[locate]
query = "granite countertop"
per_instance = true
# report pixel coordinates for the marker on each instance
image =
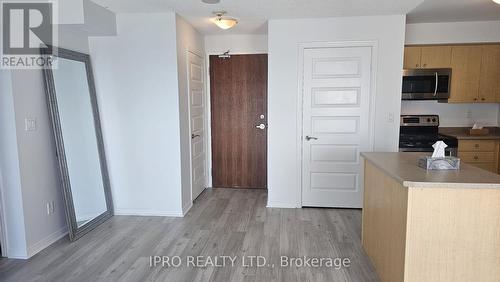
(463, 133)
(403, 167)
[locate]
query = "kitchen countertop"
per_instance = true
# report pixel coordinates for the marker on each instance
(462, 133)
(403, 167)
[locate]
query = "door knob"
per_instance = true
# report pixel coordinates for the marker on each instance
(308, 138)
(261, 126)
(194, 136)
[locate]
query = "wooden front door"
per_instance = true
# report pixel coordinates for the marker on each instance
(238, 104)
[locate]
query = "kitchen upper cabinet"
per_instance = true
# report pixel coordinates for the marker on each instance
(427, 57)
(489, 84)
(412, 57)
(466, 73)
(475, 68)
(436, 57)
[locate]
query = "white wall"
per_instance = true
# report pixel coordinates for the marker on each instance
(10, 186)
(137, 88)
(453, 115)
(284, 37)
(454, 32)
(188, 39)
(236, 43)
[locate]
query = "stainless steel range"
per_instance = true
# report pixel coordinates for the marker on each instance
(419, 132)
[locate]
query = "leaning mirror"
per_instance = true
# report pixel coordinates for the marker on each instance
(72, 103)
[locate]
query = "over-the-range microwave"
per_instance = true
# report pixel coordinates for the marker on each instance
(426, 84)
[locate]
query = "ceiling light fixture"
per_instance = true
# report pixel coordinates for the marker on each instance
(224, 22)
(496, 1)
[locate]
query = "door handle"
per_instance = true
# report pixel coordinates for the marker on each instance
(436, 87)
(261, 126)
(308, 138)
(194, 136)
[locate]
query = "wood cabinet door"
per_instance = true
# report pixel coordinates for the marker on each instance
(434, 57)
(412, 57)
(466, 65)
(489, 84)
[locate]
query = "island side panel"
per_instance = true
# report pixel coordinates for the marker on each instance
(384, 223)
(453, 235)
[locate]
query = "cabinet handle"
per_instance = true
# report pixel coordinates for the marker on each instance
(425, 65)
(475, 99)
(476, 157)
(482, 99)
(476, 145)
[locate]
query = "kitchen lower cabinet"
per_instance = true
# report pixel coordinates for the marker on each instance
(480, 153)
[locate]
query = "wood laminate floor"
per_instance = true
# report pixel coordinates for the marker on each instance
(222, 222)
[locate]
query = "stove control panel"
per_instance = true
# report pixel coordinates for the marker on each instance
(420, 120)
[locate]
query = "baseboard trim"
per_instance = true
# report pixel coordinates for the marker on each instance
(186, 210)
(148, 213)
(283, 205)
(47, 241)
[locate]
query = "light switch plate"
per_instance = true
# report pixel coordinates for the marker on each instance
(30, 124)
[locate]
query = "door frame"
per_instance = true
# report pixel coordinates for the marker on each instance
(208, 110)
(300, 94)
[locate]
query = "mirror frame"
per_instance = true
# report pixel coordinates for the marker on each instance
(74, 231)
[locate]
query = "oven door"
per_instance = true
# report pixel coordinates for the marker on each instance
(426, 84)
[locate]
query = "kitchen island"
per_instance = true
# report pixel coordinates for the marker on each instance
(421, 225)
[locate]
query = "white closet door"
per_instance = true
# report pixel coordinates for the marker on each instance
(197, 111)
(336, 125)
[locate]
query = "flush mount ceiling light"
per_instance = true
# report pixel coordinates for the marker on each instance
(224, 22)
(496, 1)
(210, 1)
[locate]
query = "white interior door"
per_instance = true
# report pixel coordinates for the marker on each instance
(336, 125)
(197, 123)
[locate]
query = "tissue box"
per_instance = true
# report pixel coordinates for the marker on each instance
(445, 163)
(481, 131)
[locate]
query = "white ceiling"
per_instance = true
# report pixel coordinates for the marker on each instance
(253, 14)
(454, 11)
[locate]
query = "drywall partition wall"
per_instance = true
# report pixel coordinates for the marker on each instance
(137, 89)
(283, 108)
(37, 161)
(452, 33)
(236, 43)
(99, 21)
(188, 39)
(10, 185)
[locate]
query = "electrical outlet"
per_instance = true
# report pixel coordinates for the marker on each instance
(30, 124)
(468, 114)
(50, 207)
(390, 118)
